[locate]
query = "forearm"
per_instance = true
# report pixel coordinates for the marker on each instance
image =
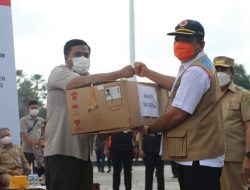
(172, 118)
(163, 80)
(81, 80)
(247, 143)
(4, 170)
(26, 138)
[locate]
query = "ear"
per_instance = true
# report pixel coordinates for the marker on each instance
(66, 58)
(202, 45)
(68, 61)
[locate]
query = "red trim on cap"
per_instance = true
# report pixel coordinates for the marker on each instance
(5, 2)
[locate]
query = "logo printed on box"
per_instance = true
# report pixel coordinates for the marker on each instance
(74, 95)
(113, 98)
(75, 109)
(77, 122)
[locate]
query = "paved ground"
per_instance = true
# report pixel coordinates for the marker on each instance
(105, 179)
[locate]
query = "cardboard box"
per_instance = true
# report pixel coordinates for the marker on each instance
(119, 105)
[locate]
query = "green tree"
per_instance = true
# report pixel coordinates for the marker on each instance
(40, 87)
(241, 78)
(33, 88)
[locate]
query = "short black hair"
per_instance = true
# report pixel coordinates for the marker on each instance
(74, 42)
(32, 102)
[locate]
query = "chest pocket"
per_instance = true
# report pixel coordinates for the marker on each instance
(234, 109)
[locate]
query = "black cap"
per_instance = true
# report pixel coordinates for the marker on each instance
(188, 27)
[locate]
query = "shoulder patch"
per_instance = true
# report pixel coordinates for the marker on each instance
(248, 99)
(246, 94)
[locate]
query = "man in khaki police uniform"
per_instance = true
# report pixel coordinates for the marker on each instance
(12, 159)
(192, 124)
(236, 111)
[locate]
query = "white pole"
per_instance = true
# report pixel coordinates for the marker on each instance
(132, 34)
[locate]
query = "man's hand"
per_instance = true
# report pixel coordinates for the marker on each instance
(141, 69)
(143, 130)
(246, 168)
(127, 71)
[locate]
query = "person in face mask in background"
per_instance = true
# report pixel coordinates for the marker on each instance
(12, 159)
(192, 124)
(31, 137)
(236, 122)
(68, 157)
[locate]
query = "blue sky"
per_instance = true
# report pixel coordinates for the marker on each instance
(41, 27)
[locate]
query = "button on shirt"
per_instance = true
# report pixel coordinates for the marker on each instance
(194, 84)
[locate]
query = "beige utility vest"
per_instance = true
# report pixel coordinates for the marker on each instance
(200, 136)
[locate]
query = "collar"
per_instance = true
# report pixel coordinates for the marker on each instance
(30, 117)
(232, 87)
(185, 65)
(188, 63)
(4, 146)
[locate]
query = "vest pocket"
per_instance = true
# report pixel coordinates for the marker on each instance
(176, 145)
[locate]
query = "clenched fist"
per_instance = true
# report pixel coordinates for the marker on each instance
(141, 69)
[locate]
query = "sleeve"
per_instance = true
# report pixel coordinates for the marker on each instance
(194, 84)
(245, 107)
(3, 170)
(60, 77)
(26, 166)
(23, 128)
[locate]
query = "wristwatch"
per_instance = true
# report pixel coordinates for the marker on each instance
(247, 154)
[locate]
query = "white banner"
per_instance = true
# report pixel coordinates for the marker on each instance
(9, 116)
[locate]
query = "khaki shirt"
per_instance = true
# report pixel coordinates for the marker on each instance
(26, 123)
(12, 158)
(58, 137)
(236, 111)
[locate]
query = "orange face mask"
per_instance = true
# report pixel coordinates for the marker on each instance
(183, 51)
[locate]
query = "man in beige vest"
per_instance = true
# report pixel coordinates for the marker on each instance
(192, 124)
(236, 117)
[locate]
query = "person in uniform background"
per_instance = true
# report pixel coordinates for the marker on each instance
(12, 160)
(192, 124)
(31, 127)
(122, 152)
(149, 150)
(236, 122)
